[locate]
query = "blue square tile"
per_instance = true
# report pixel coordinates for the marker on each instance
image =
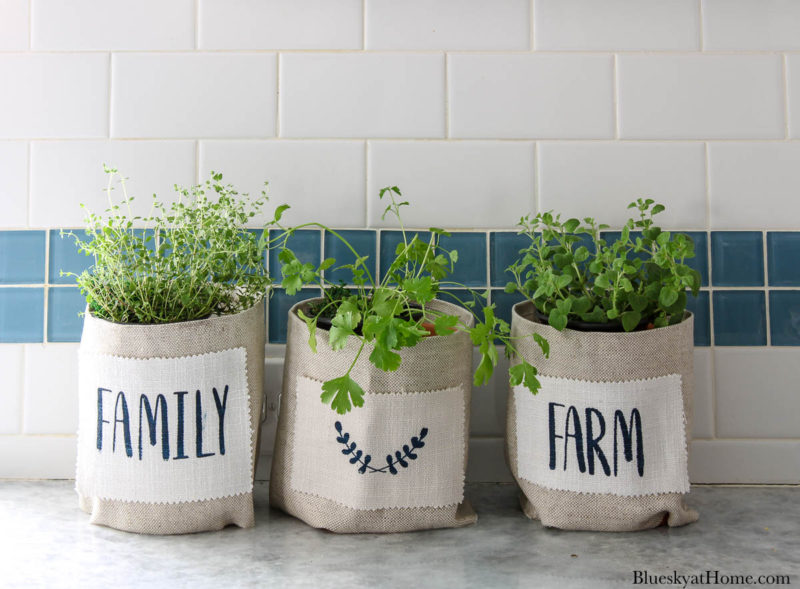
(279, 305)
(64, 324)
(783, 258)
(22, 256)
(21, 315)
(504, 302)
(389, 241)
(306, 245)
(470, 270)
(740, 318)
(737, 258)
(700, 260)
(699, 306)
(504, 248)
(462, 296)
(363, 241)
(64, 256)
(784, 317)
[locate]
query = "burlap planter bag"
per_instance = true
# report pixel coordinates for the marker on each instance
(604, 444)
(416, 417)
(168, 422)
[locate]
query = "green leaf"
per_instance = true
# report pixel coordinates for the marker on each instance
(571, 225)
(544, 345)
(667, 296)
(342, 393)
(420, 289)
(630, 319)
(311, 323)
(581, 254)
(445, 324)
(557, 319)
(385, 359)
(327, 263)
(524, 374)
(564, 280)
(342, 326)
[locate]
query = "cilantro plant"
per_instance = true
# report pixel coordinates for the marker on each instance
(186, 260)
(390, 313)
(638, 280)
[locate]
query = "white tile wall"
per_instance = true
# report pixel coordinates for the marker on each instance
(758, 25)
(279, 24)
(102, 25)
(531, 96)
(469, 183)
(750, 181)
(479, 111)
(13, 183)
(700, 96)
(54, 95)
(448, 24)
(51, 394)
(617, 25)
(600, 178)
(65, 174)
(190, 94)
(320, 180)
(11, 390)
(362, 95)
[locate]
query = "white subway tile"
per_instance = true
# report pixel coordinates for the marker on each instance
(744, 461)
(616, 25)
(452, 184)
(793, 83)
(103, 25)
(448, 24)
(599, 179)
(531, 96)
(703, 401)
(731, 25)
(193, 95)
(700, 96)
(754, 185)
(279, 24)
(38, 457)
(51, 389)
(14, 25)
(362, 95)
(321, 180)
(54, 95)
(65, 174)
(757, 393)
(11, 378)
(13, 184)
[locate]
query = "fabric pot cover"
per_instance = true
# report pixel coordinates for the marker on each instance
(604, 443)
(169, 421)
(397, 463)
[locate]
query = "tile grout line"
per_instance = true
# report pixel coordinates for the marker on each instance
(711, 337)
(23, 370)
(28, 199)
(46, 284)
(446, 95)
(615, 96)
(785, 80)
(536, 179)
(278, 60)
(532, 25)
(196, 6)
(110, 92)
(700, 21)
(363, 25)
(767, 320)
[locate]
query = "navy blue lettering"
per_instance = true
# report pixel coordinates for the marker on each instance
(199, 428)
(152, 417)
(221, 407)
(126, 425)
(180, 453)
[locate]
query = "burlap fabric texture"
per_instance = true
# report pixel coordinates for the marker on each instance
(434, 374)
(602, 357)
(244, 333)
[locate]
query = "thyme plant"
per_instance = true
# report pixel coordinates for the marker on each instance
(388, 313)
(186, 260)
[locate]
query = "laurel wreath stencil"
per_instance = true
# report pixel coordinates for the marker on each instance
(358, 456)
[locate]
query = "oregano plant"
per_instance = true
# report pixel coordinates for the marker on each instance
(189, 259)
(389, 313)
(572, 273)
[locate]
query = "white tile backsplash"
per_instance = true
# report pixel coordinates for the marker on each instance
(448, 24)
(11, 388)
(320, 180)
(53, 95)
(51, 395)
(531, 96)
(362, 95)
(103, 25)
(744, 461)
(38, 457)
(703, 400)
(750, 181)
(279, 24)
(13, 183)
(14, 25)
(617, 25)
(469, 183)
(793, 90)
(599, 179)
(756, 25)
(189, 95)
(66, 174)
(700, 96)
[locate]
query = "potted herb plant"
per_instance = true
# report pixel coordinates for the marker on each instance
(603, 445)
(391, 361)
(171, 361)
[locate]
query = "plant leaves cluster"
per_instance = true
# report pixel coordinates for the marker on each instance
(386, 314)
(570, 272)
(189, 259)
